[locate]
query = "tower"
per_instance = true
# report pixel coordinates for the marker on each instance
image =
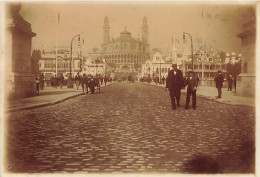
(106, 29)
(145, 30)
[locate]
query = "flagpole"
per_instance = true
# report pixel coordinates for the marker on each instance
(57, 32)
(203, 49)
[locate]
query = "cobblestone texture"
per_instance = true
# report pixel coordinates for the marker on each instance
(130, 128)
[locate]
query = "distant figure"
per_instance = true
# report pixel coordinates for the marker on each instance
(219, 83)
(230, 83)
(92, 84)
(84, 84)
(77, 80)
(52, 81)
(61, 80)
(37, 85)
(163, 80)
(105, 80)
(55, 79)
(192, 84)
(101, 80)
(42, 81)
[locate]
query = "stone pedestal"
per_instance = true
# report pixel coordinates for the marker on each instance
(20, 82)
(246, 80)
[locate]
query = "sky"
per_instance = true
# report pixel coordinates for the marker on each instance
(222, 22)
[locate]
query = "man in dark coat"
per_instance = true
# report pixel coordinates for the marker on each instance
(192, 84)
(230, 82)
(219, 83)
(175, 83)
(41, 81)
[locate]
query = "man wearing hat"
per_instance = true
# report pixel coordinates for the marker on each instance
(175, 82)
(219, 83)
(192, 84)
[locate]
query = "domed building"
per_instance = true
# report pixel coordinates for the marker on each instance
(125, 53)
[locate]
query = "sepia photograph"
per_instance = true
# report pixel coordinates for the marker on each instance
(128, 87)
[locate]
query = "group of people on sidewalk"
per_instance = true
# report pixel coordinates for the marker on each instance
(175, 82)
(89, 82)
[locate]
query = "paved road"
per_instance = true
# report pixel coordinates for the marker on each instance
(130, 127)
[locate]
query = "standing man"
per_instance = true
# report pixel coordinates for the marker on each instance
(230, 82)
(42, 81)
(77, 80)
(192, 83)
(175, 83)
(163, 80)
(61, 80)
(84, 84)
(219, 83)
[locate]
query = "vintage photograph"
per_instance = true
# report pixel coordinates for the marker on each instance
(129, 88)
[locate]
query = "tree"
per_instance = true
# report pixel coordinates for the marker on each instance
(35, 58)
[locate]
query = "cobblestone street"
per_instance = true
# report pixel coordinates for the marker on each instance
(130, 128)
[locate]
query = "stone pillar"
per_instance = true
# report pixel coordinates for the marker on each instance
(246, 80)
(20, 82)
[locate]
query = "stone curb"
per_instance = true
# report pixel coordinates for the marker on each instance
(209, 98)
(46, 103)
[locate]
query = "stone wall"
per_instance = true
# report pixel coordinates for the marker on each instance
(246, 80)
(20, 82)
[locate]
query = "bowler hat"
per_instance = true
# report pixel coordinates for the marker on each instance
(190, 71)
(174, 65)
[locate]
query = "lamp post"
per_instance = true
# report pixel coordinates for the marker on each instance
(191, 47)
(160, 72)
(70, 84)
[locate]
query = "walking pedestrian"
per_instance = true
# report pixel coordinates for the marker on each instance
(37, 85)
(105, 80)
(163, 80)
(219, 83)
(92, 83)
(175, 83)
(192, 84)
(230, 82)
(52, 81)
(61, 80)
(84, 84)
(55, 79)
(77, 80)
(41, 81)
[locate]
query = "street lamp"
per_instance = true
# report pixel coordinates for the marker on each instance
(160, 72)
(70, 84)
(191, 47)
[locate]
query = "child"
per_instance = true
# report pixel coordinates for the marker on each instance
(192, 83)
(37, 86)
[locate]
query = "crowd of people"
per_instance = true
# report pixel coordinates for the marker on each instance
(87, 82)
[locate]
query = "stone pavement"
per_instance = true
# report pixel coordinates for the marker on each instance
(228, 97)
(130, 128)
(48, 96)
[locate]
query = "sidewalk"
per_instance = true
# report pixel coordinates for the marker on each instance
(48, 96)
(228, 97)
